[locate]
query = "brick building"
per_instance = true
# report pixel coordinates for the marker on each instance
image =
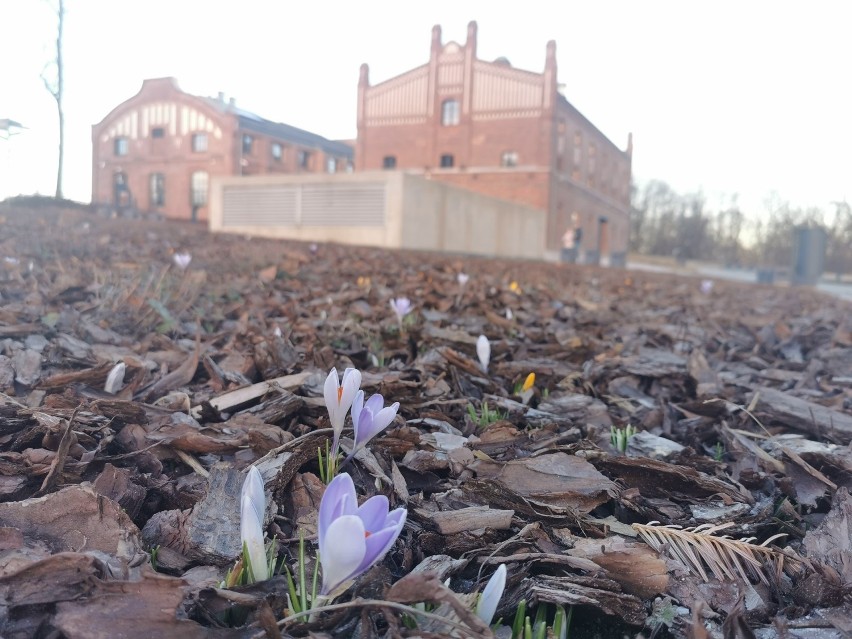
(157, 151)
(504, 132)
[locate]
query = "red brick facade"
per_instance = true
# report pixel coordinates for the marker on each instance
(503, 132)
(157, 151)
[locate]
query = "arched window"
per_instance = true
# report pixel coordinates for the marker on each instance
(198, 188)
(450, 112)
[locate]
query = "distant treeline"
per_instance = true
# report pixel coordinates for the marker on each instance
(664, 222)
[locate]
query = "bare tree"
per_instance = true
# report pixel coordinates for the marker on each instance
(53, 82)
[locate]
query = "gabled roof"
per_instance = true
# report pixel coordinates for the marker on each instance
(251, 122)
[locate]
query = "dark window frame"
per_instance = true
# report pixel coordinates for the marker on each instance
(447, 161)
(389, 162)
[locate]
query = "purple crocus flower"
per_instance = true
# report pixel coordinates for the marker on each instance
(401, 306)
(370, 418)
(353, 538)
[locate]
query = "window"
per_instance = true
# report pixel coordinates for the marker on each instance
(248, 143)
(198, 188)
(277, 151)
(304, 159)
(330, 165)
(447, 161)
(158, 132)
(389, 162)
(578, 150)
(592, 159)
(199, 142)
(158, 189)
(120, 146)
(509, 158)
(450, 112)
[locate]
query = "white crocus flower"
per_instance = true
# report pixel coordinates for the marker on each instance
(115, 379)
(338, 398)
(483, 351)
(252, 512)
(462, 279)
(182, 260)
(490, 598)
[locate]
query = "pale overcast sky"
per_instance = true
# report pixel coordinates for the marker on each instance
(729, 97)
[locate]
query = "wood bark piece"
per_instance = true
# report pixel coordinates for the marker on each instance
(601, 594)
(134, 610)
(638, 568)
(450, 522)
(240, 396)
(803, 415)
(74, 519)
(210, 533)
(661, 479)
(556, 481)
(60, 577)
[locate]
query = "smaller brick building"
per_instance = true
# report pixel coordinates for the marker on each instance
(506, 133)
(157, 151)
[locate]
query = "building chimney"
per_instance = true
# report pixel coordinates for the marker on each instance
(630, 144)
(221, 97)
(471, 37)
(551, 83)
(436, 40)
(232, 104)
(364, 79)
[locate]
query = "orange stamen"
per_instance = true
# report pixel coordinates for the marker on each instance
(339, 393)
(367, 533)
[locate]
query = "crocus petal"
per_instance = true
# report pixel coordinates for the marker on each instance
(351, 383)
(329, 392)
(379, 542)
(339, 499)
(374, 513)
(253, 489)
(490, 599)
(483, 351)
(363, 427)
(342, 557)
(375, 403)
(251, 534)
(371, 424)
(357, 407)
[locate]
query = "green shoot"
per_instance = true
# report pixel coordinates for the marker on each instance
(328, 464)
(300, 599)
(619, 437)
(525, 627)
(154, 551)
(718, 452)
(487, 416)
